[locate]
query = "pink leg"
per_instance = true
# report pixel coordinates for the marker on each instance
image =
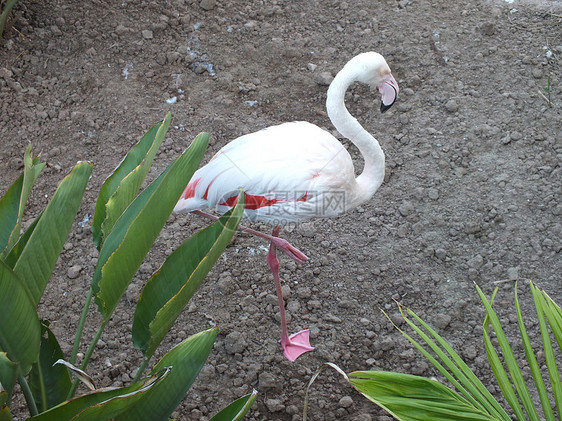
(298, 343)
(282, 244)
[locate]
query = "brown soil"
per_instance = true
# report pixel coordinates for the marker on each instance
(472, 192)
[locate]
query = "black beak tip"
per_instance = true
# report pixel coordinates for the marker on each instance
(384, 107)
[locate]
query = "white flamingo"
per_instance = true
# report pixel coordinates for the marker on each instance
(297, 171)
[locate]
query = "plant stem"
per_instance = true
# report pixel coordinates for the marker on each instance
(28, 396)
(81, 326)
(4, 16)
(141, 369)
(88, 355)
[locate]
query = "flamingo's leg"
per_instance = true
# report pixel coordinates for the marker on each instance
(298, 343)
(283, 245)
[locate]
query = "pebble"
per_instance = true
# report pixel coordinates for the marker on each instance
(476, 262)
(345, 402)
(537, 73)
(268, 383)
(406, 208)
(433, 193)
(74, 271)
(512, 273)
(451, 106)
(442, 320)
(234, 343)
(323, 78)
(147, 34)
(208, 4)
(274, 405)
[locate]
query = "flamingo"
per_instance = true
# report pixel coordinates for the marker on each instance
(296, 171)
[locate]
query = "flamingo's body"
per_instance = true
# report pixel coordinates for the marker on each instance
(297, 171)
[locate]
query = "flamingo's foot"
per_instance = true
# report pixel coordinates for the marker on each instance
(296, 345)
(291, 251)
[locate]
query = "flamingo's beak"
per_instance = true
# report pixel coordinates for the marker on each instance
(389, 91)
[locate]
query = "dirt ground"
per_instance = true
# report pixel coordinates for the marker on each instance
(472, 192)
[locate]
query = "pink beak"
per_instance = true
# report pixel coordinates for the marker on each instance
(389, 91)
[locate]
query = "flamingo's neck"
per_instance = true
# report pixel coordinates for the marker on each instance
(373, 172)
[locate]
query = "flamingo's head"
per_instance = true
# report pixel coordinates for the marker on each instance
(371, 68)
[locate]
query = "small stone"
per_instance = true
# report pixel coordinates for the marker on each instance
(512, 273)
(208, 4)
(268, 383)
(440, 253)
(345, 402)
(488, 29)
(442, 320)
(537, 73)
(476, 262)
(451, 106)
(147, 34)
(323, 78)
(121, 30)
(74, 271)
(470, 352)
(433, 193)
(406, 208)
(234, 343)
(274, 405)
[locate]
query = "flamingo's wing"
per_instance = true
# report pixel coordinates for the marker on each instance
(280, 165)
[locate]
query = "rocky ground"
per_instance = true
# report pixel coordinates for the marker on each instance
(472, 192)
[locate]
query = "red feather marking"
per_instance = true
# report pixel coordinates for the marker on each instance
(190, 189)
(252, 202)
(256, 202)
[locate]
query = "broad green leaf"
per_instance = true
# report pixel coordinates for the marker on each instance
(186, 360)
(134, 232)
(49, 383)
(20, 331)
(8, 374)
(13, 202)
(237, 409)
(14, 254)
(167, 293)
(5, 414)
(122, 186)
(9, 206)
(103, 404)
(38, 258)
(533, 365)
(409, 397)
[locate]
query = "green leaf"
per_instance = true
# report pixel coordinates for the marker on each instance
(237, 409)
(122, 186)
(5, 414)
(186, 360)
(103, 404)
(14, 254)
(20, 331)
(135, 231)
(42, 250)
(49, 383)
(13, 202)
(167, 293)
(9, 205)
(409, 397)
(510, 361)
(544, 305)
(533, 365)
(8, 374)
(456, 371)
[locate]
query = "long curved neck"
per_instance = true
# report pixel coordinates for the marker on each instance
(373, 172)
